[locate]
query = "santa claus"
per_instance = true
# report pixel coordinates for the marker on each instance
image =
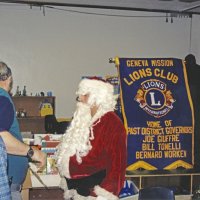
(92, 154)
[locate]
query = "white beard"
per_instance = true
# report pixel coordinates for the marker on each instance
(76, 140)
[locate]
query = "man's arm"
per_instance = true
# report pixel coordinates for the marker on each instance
(16, 147)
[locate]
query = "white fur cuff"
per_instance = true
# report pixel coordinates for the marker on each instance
(101, 192)
(75, 196)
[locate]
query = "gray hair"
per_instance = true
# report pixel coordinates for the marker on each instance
(5, 71)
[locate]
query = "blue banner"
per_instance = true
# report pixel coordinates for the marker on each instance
(158, 113)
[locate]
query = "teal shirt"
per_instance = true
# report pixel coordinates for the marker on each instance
(17, 165)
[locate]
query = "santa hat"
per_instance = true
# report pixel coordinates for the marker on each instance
(100, 92)
(94, 85)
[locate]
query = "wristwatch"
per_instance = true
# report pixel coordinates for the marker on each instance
(30, 153)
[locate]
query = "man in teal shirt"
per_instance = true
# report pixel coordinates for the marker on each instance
(10, 133)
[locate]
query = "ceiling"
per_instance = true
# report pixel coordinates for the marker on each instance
(166, 6)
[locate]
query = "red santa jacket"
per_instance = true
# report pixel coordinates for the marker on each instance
(108, 152)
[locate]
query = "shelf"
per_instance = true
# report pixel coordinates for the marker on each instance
(31, 118)
(175, 172)
(32, 124)
(180, 178)
(31, 105)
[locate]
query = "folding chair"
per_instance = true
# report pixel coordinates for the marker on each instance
(156, 193)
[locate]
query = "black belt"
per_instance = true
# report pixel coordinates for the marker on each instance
(83, 186)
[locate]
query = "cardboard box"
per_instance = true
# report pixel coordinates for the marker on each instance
(26, 186)
(48, 179)
(25, 194)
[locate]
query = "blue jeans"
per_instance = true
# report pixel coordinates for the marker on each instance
(16, 191)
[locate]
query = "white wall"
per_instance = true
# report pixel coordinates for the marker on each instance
(52, 52)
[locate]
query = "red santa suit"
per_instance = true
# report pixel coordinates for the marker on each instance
(108, 152)
(94, 143)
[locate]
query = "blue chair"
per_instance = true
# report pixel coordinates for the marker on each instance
(128, 190)
(156, 193)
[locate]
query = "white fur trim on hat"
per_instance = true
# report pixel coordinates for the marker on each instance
(100, 93)
(91, 85)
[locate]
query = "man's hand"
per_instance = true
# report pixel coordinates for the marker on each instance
(39, 157)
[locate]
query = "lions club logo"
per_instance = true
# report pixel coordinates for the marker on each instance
(154, 98)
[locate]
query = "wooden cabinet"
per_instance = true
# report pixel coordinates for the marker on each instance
(30, 106)
(46, 194)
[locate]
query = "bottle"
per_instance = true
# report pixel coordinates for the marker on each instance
(24, 91)
(17, 91)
